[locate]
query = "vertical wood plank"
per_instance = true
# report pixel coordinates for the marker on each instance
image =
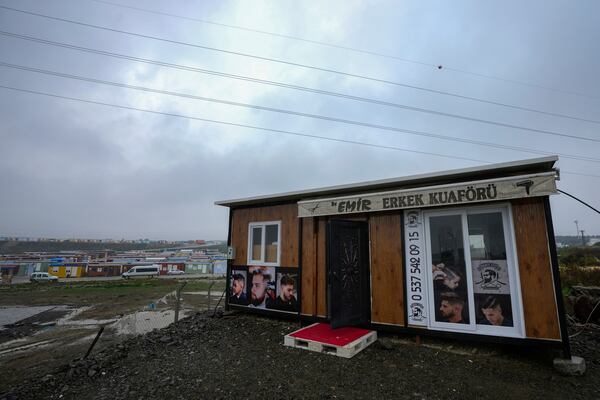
(309, 267)
(239, 231)
(321, 268)
(535, 270)
(387, 288)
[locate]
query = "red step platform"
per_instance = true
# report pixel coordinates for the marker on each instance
(343, 342)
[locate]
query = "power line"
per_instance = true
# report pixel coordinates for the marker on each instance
(579, 200)
(579, 174)
(239, 125)
(315, 68)
(259, 128)
(349, 48)
(272, 83)
(291, 112)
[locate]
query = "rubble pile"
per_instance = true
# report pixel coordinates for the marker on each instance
(235, 355)
(584, 301)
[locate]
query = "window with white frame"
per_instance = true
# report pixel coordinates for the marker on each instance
(263, 243)
(472, 279)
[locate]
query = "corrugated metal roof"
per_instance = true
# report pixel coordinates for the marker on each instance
(489, 171)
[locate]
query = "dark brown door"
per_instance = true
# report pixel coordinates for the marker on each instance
(348, 288)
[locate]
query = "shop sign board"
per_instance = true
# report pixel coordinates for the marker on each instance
(543, 184)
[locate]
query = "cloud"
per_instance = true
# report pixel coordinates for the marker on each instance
(74, 169)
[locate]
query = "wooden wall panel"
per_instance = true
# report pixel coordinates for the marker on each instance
(309, 267)
(321, 268)
(286, 213)
(535, 269)
(387, 286)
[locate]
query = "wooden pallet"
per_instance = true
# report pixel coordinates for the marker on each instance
(347, 351)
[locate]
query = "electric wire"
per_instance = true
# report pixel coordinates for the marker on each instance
(579, 173)
(271, 130)
(349, 48)
(268, 82)
(239, 125)
(586, 321)
(393, 130)
(579, 200)
(290, 63)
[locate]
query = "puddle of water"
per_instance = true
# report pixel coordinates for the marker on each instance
(85, 340)
(132, 324)
(11, 343)
(145, 321)
(11, 315)
(84, 323)
(75, 312)
(9, 347)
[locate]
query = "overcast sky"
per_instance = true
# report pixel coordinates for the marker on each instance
(73, 169)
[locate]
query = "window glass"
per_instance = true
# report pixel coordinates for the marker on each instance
(489, 266)
(450, 292)
(272, 242)
(486, 236)
(256, 243)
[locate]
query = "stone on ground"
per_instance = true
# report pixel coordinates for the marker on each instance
(570, 367)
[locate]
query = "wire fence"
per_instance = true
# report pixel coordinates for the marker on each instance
(171, 307)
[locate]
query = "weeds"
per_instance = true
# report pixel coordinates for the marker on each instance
(573, 275)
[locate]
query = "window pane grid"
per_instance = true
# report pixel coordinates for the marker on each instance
(264, 243)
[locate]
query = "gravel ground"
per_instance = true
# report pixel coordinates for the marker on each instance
(242, 356)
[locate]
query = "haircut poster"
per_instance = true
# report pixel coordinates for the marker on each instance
(261, 286)
(286, 291)
(490, 277)
(237, 288)
(491, 287)
(269, 288)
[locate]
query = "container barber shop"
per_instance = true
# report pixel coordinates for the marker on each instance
(461, 253)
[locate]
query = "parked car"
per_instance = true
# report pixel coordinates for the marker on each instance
(141, 271)
(175, 272)
(42, 277)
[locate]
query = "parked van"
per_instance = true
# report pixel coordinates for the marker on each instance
(142, 270)
(42, 277)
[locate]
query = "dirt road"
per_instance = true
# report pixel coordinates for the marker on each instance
(242, 356)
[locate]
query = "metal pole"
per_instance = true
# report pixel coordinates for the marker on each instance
(94, 342)
(209, 290)
(177, 300)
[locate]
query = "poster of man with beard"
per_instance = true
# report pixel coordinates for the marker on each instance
(261, 281)
(286, 293)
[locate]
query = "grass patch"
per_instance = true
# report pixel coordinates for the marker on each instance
(573, 275)
(134, 291)
(197, 286)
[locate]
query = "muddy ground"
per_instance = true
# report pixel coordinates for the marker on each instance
(75, 311)
(242, 356)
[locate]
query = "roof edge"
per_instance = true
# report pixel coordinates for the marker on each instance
(388, 182)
